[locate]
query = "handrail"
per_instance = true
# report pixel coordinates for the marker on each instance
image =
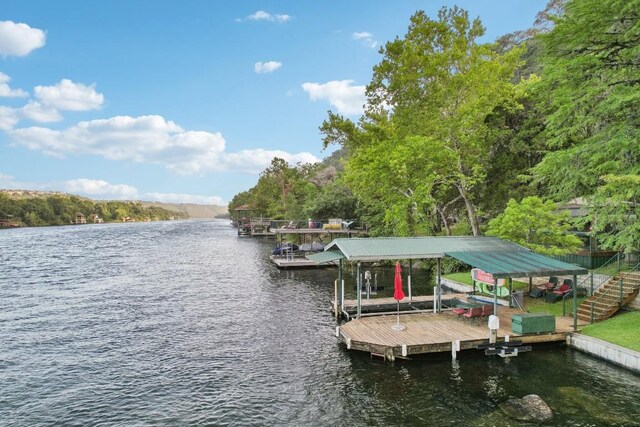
(599, 271)
(606, 294)
(612, 289)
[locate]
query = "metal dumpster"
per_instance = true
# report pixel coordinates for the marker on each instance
(533, 323)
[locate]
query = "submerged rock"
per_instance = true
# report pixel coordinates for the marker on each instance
(529, 408)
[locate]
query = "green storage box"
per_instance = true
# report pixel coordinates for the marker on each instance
(533, 323)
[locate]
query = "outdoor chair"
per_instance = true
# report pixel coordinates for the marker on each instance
(473, 313)
(487, 310)
(557, 294)
(543, 290)
(459, 311)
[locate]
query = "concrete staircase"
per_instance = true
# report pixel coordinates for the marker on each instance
(606, 300)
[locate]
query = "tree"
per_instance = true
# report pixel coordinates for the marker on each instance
(536, 225)
(615, 213)
(591, 79)
(438, 84)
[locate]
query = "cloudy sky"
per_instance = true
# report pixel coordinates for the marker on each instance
(187, 101)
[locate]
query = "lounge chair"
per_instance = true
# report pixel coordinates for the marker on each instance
(459, 310)
(556, 294)
(542, 290)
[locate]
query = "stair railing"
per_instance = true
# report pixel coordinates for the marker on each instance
(619, 287)
(602, 274)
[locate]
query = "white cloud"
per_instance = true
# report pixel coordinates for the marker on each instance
(341, 94)
(148, 139)
(256, 160)
(266, 67)
(39, 113)
(184, 198)
(8, 118)
(19, 39)
(261, 15)
(6, 91)
(366, 38)
(70, 96)
(96, 188)
(6, 181)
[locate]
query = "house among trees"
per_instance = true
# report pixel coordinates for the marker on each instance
(95, 218)
(80, 218)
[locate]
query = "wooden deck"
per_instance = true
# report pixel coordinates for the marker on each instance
(431, 333)
(343, 231)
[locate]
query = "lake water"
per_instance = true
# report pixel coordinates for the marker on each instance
(184, 323)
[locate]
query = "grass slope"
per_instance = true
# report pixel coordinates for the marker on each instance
(623, 330)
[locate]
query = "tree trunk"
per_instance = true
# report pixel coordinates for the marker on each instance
(471, 210)
(443, 217)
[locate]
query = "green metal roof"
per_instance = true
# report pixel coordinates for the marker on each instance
(517, 264)
(392, 248)
(325, 257)
(491, 254)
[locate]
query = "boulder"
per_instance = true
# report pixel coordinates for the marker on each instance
(530, 408)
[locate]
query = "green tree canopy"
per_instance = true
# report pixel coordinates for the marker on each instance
(425, 131)
(536, 225)
(591, 84)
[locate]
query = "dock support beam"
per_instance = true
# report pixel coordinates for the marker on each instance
(409, 281)
(575, 303)
(341, 284)
(359, 291)
(510, 292)
(495, 297)
(437, 301)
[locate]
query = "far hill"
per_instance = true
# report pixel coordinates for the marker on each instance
(192, 209)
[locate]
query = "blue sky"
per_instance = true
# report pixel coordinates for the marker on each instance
(187, 101)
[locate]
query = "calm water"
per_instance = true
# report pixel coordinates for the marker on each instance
(184, 323)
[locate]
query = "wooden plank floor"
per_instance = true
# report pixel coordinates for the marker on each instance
(429, 332)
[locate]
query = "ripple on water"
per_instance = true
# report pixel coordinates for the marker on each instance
(183, 323)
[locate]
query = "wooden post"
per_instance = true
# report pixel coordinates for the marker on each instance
(530, 284)
(335, 301)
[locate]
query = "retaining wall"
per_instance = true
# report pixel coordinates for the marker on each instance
(615, 354)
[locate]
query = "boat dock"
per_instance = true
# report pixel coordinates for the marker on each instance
(309, 236)
(285, 261)
(431, 333)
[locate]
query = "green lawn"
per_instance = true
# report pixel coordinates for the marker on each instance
(623, 330)
(537, 305)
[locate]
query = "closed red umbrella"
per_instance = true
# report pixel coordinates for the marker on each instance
(398, 294)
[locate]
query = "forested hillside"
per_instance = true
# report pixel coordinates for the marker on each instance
(454, 129)
(38, 208)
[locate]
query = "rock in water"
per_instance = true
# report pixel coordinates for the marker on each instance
(529, 408)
